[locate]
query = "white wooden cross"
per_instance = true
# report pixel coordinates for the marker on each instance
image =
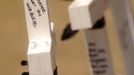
(83, 16)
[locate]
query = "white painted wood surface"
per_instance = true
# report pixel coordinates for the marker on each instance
(41, 46)
(97, 46)
(124, 22)
(84, 13)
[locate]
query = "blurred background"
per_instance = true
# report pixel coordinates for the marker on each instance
(71, 56)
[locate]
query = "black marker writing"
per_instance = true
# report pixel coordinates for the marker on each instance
(98, 62)
(31, 15)
(39, 12)
(33, 19)
(33, 2)
(41, 6)
(29, 8)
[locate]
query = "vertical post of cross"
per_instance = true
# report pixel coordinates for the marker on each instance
(41, 43)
